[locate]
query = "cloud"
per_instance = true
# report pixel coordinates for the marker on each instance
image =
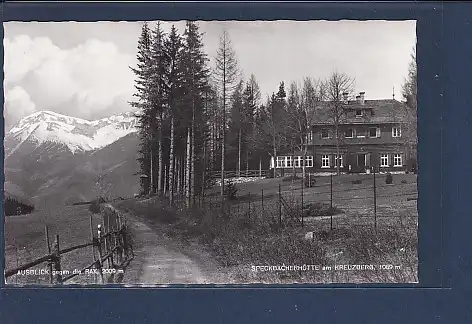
(17, 105)
(83, 81)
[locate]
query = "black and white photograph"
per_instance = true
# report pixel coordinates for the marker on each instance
(210, 152)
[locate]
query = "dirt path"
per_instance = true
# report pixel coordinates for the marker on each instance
(160, 261)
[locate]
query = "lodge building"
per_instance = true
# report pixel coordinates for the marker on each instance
(372, 136)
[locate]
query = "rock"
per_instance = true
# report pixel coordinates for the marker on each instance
(309, 236)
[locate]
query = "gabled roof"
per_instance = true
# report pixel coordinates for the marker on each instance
(385, 111)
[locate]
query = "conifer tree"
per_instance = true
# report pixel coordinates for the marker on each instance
(142, 103)
(159, 89)
(195, 76)
(173, 47)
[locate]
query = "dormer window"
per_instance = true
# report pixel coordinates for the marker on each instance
(324, 133)
(358, 112)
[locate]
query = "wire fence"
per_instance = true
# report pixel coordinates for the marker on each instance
(331, 202)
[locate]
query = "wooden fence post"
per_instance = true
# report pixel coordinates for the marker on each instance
(375, 203)
(105, 241)
(303, 185)
(57, 260)
(249, 207)
(331, 201)
(100, 254)
(280, 206)
(93, 244)
(51, 278)
(262, 200)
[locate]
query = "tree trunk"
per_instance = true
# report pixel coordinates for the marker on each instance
(293, 163)
(177, 178)
(275, 156)
(238, 172)
(223, 157)
(260, 167)
(304, 160)
(338, 171)
(247, 163)
(171, 162)
(151, 183)
(192, 146)
(187, 171)
(202, 194)
(160, 179)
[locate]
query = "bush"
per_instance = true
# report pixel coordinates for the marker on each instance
(95, 205)
(357, 181)
(404, 181)
(389, 178)
(230, 190)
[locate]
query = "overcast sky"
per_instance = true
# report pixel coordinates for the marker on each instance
(82, 69)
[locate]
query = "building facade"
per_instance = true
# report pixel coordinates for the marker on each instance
(367, 135)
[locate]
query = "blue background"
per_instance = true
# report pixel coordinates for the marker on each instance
(444, 52)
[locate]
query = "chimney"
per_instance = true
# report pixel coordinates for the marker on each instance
(362, 96)
(345, 97)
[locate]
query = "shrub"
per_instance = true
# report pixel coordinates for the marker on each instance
(359, 181)
(95, 205)
(230, 190)
(389, 178)
(404, 181)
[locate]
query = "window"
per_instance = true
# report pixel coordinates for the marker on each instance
(325, 161)
(349, 133)
(288, 162)
(358, 112)
(309, 161)
(373, 132)
(383, 160)
(297, 162)
(324, 133)
(396, 132)
(280, 161)
(340, 159)
(397, 160)
(361, 133)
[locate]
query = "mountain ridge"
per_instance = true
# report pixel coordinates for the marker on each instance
(78, 135)
(54, 158)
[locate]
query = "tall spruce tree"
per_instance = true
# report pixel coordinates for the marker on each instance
(195, 74)
(142, 103)
(173, 46)
(159, 88)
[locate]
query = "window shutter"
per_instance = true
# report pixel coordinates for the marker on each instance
(367, 158)
(331, 160)
(378, 132)
(403, 159)
(390, 157)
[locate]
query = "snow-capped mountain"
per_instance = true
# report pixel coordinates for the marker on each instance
(73, 134)
(55, 159)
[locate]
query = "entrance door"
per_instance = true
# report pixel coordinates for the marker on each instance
(361, 160)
